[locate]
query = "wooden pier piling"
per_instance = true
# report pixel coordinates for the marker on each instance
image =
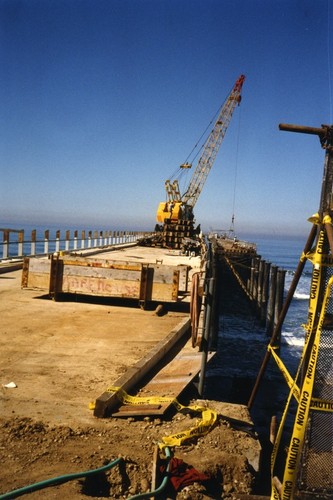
(262, 282)
(271, 301)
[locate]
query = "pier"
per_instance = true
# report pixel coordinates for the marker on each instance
(261, 281)
(68, 345)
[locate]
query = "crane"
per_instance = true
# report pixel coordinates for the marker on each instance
(177, 212)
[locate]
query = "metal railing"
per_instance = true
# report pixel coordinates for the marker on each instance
(15, 245)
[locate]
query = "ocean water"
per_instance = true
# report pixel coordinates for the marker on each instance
(286, 253)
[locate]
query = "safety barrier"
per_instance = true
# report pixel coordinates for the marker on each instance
(15, 245)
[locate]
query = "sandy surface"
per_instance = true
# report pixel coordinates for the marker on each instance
(61, 356)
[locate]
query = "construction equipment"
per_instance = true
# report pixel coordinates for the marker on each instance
(176, 213)
(302, 456)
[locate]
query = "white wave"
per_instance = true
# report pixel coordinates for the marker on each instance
(291, 340)
(301, 296)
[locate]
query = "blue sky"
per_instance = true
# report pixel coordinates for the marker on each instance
(102, 100)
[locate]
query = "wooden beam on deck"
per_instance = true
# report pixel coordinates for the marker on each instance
(107, 402)
(171, 381)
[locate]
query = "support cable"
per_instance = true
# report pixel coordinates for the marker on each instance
(329, 59)
(236, 175)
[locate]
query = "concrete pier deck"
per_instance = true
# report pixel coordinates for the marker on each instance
(61, 355)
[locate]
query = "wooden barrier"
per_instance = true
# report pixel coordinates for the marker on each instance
(61, 274)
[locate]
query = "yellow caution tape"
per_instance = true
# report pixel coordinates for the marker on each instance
(303, 395)
(202, 427)
(298, 434)
(316, 403)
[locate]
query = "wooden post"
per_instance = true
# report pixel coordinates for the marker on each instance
(279, 301)
(89, 239)
(271, 302)
(260, 285)
(33, 242)
(252, 272)
(95, 238)
(83, 239)
(75, 239)
(101, 238)
(5, 250)
(20, 243)
(46, 241)
(255, 280)
(265, 289)
(68, 237)
(57, 243)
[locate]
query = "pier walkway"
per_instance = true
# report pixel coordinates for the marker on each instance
(79, 348)
(57, 356)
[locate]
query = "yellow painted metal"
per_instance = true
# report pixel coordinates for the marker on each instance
(167, 210)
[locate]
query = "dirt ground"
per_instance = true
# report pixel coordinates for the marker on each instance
(62, 355)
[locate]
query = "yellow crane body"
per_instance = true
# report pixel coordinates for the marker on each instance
(169, 210)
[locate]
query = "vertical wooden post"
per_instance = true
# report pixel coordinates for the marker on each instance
(5, 249)
(95, 238)
(251, 282)
(46, 241)
(75, 239)
(68, 237)
(271, 302)
(33, 242)
(89, 239)
(83, 239)
(57, 242)
(255, 279)
(279, 301)
(20, 243)
(265, 289)
(101, 238)
(260, 285)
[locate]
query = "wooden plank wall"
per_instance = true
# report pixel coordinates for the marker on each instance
(145, 282)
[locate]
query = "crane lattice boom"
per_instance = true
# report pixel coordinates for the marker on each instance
(212, 145)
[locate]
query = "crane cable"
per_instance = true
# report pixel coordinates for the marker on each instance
(329, 59)
(236, 172)
(182, 173)
(179, 171)
(212, 121)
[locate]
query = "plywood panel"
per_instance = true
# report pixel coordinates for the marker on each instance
(36, 274)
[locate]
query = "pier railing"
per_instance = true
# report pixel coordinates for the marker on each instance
(16, 243)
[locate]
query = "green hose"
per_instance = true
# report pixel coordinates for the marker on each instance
(58, 480)
(163, 484)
